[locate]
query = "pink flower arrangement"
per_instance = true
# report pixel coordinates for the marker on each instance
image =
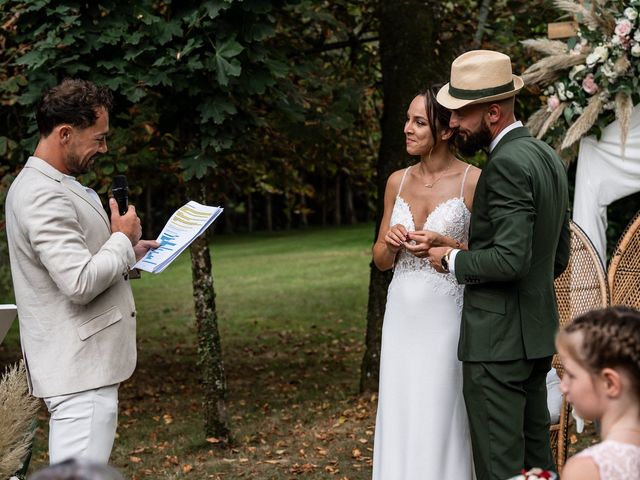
(553, 102)
(623, 28)
(589, 84)
(607, 78)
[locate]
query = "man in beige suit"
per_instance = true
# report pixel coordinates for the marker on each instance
(70, 265)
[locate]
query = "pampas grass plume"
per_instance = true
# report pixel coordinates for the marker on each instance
(550, 68)
(624, 110)
(535, 122)
(551, 119)
(584, 122)
(596, 17)
(543, 45)
(17, 413)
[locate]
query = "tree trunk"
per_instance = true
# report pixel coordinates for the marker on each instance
(288, 210)
(482, 21)
(148, 214)
(337, 214)
(269, 212)
(351, 211)
(209, 351)
(324, 198)
(304, 217)
(249, 212)
(408, 31)
(228, 214)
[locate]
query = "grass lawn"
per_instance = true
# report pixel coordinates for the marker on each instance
(291, 310)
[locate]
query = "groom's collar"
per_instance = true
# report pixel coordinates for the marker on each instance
(502, 133)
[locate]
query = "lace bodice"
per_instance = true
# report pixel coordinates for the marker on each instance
(449, 218)
(615, 460)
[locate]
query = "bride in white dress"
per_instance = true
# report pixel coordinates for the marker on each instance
(422, 430)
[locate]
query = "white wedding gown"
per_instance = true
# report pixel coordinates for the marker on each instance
(422, 430)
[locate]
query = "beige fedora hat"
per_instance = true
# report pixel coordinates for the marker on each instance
(479, 76)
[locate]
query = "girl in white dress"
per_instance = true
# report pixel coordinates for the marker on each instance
(422, 430)
(600, 352)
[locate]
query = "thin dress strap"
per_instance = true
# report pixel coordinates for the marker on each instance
(402, 181)
(463, 179)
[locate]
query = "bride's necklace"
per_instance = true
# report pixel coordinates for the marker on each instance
(430, 185)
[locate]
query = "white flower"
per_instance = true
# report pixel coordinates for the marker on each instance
(561, 91)
(577, 108)
(636, 36)
(576, 71)
(609, 71)
(599, 54)
(569, 94)
(577, 48)
(635, 50)
(609, 105)
(631, 13)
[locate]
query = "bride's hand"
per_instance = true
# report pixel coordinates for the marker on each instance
(396, 238)
(423, 240)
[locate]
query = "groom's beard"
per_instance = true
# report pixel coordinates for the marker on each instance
(469, 143)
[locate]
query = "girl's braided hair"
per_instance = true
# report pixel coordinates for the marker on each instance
(610, 338)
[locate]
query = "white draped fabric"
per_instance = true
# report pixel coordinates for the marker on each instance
(603, 176)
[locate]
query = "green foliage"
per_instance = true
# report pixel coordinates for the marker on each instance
(203, 84)
(270, 98)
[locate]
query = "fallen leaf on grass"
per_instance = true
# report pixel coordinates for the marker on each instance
(340, 421)
(135, 459)
(331, 469)
(306, 468)
(355, 453)
(168, 419)
(187, 467)
(573, 439)
(213, 440)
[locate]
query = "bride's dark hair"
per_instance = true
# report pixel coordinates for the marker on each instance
(437, 115)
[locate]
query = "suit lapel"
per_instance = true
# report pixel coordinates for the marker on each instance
(75, 187)
(81, 192)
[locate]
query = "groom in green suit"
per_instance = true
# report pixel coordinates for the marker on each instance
(518, 244)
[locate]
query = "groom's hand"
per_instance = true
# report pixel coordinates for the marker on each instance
(435, 255)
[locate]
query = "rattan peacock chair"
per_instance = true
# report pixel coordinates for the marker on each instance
(582, 287)
(624, 269)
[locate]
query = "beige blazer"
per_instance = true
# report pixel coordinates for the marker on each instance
(75, 306)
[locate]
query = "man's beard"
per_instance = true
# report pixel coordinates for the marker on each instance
(75, 165)
(471, 143)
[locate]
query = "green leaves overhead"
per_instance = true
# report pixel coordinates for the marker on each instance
(254, 90)
(196, 166)
(213, 55)
(226, 64)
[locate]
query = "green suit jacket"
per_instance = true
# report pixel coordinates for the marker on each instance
(518, 244)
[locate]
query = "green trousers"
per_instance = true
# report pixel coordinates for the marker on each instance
(508, 416)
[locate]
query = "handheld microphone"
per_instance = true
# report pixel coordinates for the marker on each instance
(120, 191)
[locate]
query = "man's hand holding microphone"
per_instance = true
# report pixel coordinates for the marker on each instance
(124, 218)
